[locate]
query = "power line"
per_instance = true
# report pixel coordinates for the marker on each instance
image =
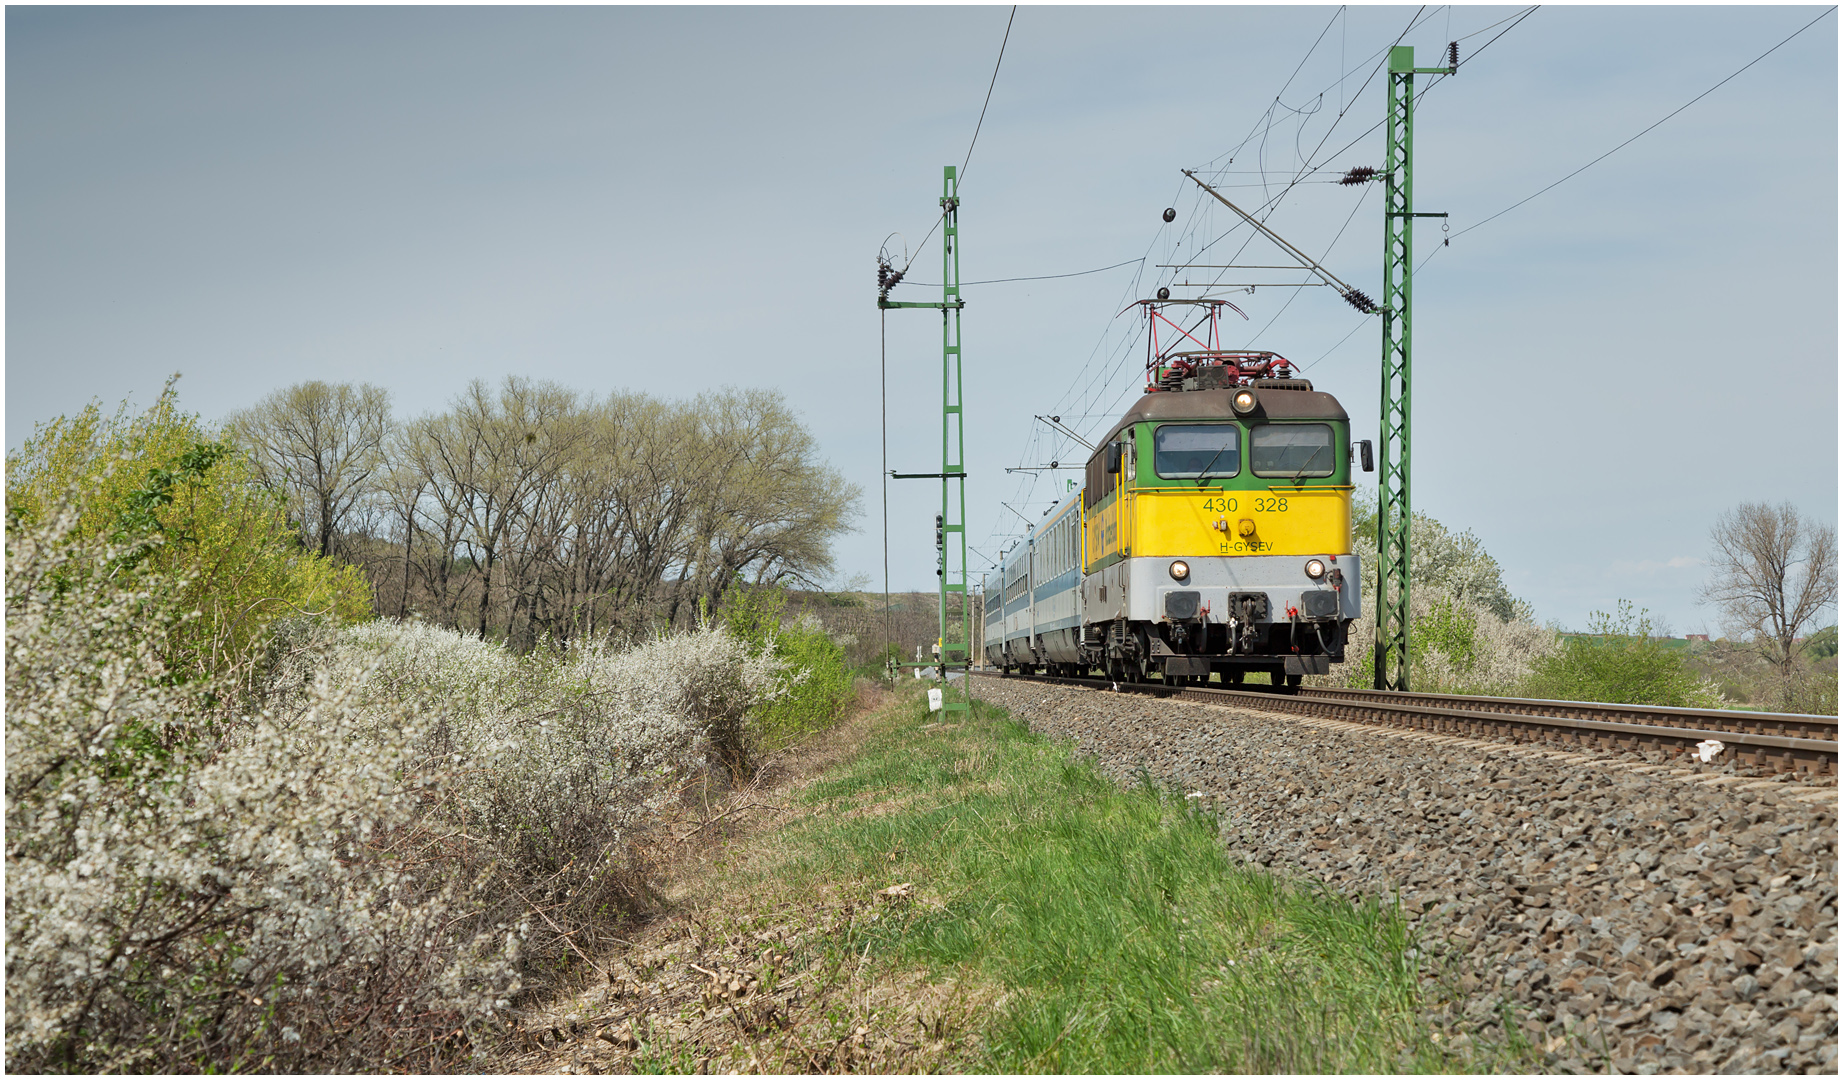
(1648, 130)
(1361, 199)
(988, 93)
(970, 145)
(1089, 394)
(1518, 18)
(1039, 277)
(1506, 30)
(1340, 344)
(1306, 166)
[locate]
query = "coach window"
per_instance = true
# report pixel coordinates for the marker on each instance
(1292, 450)
(1191, 451)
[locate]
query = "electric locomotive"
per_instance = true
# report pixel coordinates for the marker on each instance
(1211, 533)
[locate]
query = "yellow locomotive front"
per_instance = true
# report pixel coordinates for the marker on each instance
(1216, 526)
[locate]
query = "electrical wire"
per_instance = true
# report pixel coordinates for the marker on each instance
(1272, 204)
(1379, 57)
(1353, 333)
(1117, 356)
(1518, 18)
(1361, 199)
(1648, 130)
(1040, 277)
(1468, 58)
(975, 141)
(988, 92)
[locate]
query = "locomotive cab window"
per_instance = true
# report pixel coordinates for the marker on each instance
(1292, 450)
(1190, 451)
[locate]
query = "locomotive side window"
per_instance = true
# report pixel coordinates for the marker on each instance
(1189, 451)
(1292, 450)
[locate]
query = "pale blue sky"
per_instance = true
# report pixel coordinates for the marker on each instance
(668, 199)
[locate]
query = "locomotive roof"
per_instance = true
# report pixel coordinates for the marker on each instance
(1275, 404)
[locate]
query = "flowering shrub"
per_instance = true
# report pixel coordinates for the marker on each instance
(553, 761)
(416, 826)
(1468, 635)
(174, 904)
(1457, 647)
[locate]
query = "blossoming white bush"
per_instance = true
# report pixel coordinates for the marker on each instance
(176, 902)
(1468, 634)
(350, 879)
(553, 761)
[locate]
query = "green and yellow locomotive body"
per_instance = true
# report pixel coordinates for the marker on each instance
(1217, 538)
(1211, 535)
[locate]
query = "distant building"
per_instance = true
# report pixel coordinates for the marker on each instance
(1704, 638)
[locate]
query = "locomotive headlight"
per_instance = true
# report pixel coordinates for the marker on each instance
(1180, 570)
(1314, 569)
(1244, 401)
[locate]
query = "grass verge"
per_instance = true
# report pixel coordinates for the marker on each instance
(1125, 938)
(958, 894)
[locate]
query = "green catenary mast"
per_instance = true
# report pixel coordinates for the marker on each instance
(1393, 513)
(950, 523)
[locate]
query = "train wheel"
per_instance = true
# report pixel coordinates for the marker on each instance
(1233, 677)
(1293, 681)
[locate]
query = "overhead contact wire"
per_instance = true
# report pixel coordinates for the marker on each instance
(1653, 127)
(975, 140)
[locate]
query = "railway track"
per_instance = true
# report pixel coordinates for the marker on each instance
(1775, 742)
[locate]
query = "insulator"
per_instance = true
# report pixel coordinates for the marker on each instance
(1170, 215)
(1452, 54)
(1362, 174)
(1358, 300)
(1164, 293)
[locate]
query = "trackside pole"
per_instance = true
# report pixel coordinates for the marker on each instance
(1394, 512)
(953, 649)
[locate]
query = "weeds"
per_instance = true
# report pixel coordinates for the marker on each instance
(1621, 661)
(1124, 937)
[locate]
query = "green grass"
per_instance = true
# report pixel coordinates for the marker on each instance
(1125, 938)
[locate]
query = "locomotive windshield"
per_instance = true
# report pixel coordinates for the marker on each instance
(1291, 450)
(1189, 451)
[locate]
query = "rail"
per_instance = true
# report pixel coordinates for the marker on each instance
(1777, 742)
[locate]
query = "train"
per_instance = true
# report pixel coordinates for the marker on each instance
(1210, 535)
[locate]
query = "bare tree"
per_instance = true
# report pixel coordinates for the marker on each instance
(1775, 572)
(527, 510)
(319, 444)
(488, 462)
(771, 506)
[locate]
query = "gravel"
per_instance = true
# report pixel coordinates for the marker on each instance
(1641, 917)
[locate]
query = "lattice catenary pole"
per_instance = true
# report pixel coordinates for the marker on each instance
(950, 524)
(1394, 513)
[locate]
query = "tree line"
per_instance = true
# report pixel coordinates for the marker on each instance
(529, 509)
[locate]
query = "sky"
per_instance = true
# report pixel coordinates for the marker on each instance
(677, 199)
